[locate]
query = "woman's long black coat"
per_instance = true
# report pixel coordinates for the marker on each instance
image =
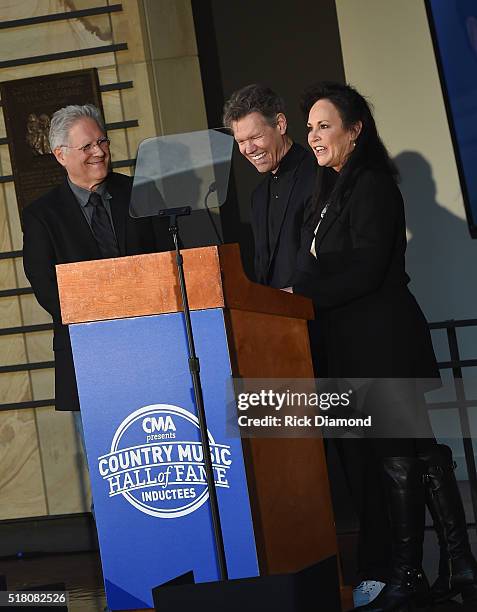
(371, 324)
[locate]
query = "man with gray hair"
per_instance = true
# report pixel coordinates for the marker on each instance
(256, 116)
(84, 218)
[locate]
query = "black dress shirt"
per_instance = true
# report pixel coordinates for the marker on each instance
(277, 221)
(277, 193)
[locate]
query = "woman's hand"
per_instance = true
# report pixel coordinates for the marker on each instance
(287, 289)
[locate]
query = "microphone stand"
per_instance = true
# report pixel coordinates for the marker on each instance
(194, 369)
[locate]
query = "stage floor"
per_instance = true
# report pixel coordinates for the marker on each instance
(81, 572)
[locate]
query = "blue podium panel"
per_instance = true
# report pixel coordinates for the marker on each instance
(145, 457)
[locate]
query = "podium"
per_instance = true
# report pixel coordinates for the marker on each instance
(141, 432)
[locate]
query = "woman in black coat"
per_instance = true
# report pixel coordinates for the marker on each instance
(352, 264)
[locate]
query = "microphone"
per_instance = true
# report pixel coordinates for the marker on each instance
(212, 189)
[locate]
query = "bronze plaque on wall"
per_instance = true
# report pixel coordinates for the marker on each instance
(28, 105)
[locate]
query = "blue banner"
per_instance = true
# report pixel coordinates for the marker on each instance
(145, 457)
(455, 39)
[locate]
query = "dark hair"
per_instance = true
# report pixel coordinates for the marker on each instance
(253, 98)
(369, 150)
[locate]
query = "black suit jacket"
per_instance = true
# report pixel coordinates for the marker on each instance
(56, 232)
(275, 266)
(371, 324)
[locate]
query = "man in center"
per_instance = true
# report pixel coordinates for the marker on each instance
(256, 116)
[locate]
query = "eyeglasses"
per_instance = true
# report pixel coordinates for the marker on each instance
(89, 147)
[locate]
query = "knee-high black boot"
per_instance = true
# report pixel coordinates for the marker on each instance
(457, 565)
(407, 586)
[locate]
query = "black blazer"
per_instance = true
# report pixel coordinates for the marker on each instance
(371, 324)
(276, 268)
(56, 232)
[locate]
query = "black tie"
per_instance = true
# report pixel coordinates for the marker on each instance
(102, 228)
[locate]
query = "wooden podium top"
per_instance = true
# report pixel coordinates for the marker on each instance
(148, 284)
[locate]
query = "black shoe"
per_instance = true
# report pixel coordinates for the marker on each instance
(408, 586)
(457, 565)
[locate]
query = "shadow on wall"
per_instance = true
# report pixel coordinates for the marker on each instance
(441, 256)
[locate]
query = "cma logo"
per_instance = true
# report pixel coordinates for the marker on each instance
(161, 423)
